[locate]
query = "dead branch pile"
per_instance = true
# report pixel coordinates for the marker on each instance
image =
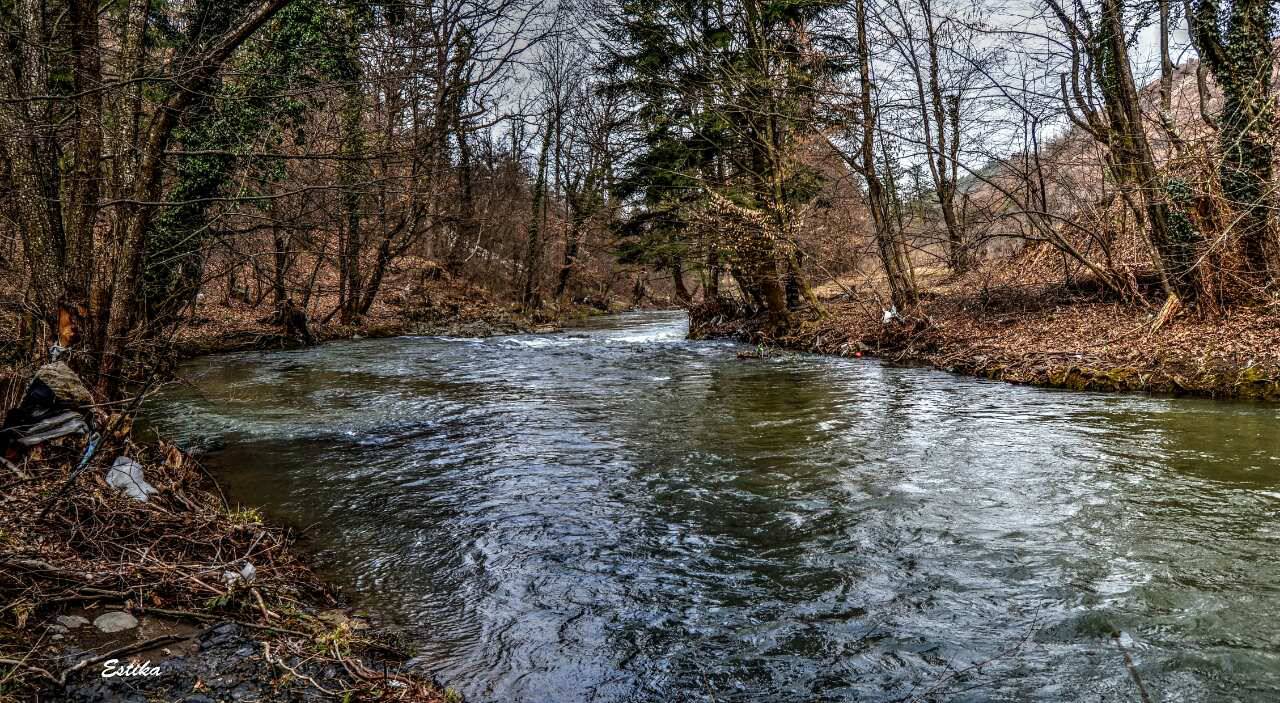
(182, 554)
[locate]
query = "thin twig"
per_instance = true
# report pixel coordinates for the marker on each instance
(207, 617)
(1133, 670)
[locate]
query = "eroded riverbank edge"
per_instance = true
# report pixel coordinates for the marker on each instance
(1041, 341)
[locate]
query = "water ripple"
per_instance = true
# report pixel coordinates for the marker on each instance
(617, 514)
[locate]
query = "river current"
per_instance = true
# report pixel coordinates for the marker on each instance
(616, 513)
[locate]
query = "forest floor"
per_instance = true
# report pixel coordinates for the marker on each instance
(438, 306)
(1041, 334)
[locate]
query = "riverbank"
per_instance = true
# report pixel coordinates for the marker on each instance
(219, 601)
(439, 306)
(1043, 335)
(205, 599)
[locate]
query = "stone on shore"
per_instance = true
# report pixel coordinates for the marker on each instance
(72, 621)
(115, 621)
(64, 382)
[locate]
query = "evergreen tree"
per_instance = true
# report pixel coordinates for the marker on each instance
(723, 95)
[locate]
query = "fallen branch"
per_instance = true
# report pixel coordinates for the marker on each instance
(1133, 670)
(33, 669)
(266, 651)
(125, 651)
(208, 617)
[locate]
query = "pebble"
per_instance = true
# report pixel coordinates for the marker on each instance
(115, 622)
(72, 620)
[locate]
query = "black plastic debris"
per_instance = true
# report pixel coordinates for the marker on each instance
(50, 409)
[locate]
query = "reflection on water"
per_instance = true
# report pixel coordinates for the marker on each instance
(618, 514)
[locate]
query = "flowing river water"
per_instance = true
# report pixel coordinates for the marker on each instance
(616, 513)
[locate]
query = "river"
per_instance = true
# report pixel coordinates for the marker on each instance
(616, 513)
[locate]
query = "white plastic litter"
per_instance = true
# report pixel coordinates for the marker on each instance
(246, 574)
(126, 474)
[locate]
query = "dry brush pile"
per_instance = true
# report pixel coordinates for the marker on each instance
(182, 555)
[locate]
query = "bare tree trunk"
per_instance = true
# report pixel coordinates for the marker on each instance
(570, 258)
(677, 279)
(943, 153)
(580, 193)
(351, 237)
(711, 291)
(464, 233)
(902, 288)
(533, 245)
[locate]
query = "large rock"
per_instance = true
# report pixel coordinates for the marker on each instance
(115, 621)
(65, 384)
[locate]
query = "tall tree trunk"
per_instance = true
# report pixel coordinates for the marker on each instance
(192, 75)
(1132, 155)
(533, 244)
(764, 141)
(81, 211)
(34, 167)
(1242, 63)
(902, 290)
